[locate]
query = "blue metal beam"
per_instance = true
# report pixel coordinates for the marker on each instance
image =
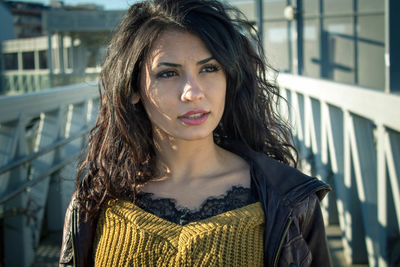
(260, 16)
(392, 46)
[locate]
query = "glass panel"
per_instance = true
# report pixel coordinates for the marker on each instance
(274, 9)
(10, 61)
(371, 49)
(43, 59)
(247, 7)
(276, 44)
(371, 5)
(90, 59)
(337, 6)
(54, 58)
(311, 7)
(28, 60)
(311, 49)
(338, 49)
(69, 57)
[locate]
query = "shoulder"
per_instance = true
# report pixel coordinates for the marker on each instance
(287, 182)
(290, 183)
(66, 253)
(78, 236)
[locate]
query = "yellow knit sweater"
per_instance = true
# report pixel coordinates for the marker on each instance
(129, 236)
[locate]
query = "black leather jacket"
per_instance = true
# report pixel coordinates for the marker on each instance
(294, 227)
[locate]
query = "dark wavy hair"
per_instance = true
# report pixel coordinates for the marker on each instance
(121, 155)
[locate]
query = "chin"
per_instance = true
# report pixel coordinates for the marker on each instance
(188, 133)
(193, 137)
(193, 134)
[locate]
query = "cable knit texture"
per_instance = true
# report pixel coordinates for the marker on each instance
(129, 236)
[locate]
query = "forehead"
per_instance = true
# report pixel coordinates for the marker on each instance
(177, 46)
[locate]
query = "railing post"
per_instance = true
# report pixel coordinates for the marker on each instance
(17, 241)
(364, 159)
(299, 39)
(52, 129)
(60, 51)
(392, 44)
(260, 19)
(50, 57)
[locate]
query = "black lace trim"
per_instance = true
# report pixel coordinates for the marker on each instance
(166, 208)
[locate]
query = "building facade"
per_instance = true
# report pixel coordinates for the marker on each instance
(69, 49)
(6, 23)
(338, 40)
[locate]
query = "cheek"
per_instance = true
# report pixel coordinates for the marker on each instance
(157, 105)
(220, 93)
(149, 100)
(149, 92)
(151, 104)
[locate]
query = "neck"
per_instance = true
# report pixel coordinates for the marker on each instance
(182, 159)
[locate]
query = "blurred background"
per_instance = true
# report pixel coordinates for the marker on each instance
(339, 68)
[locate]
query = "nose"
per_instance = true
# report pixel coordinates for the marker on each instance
(192, 91)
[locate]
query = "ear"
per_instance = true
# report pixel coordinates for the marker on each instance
(135, 98)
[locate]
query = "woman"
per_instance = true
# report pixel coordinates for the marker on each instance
(188, 163)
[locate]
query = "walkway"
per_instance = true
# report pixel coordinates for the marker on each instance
(336, 247)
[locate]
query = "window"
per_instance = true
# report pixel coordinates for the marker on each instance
(28, 60)
(43, 59)
(69, 57)
(90, 59)
(11, 61)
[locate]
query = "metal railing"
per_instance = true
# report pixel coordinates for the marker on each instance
(22, 82)
(17, 83)
(41, 137)
(350, 137)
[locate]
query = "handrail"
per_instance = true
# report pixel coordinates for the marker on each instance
(31, 183)
(25, 159)
(378, 106)
(44, 101)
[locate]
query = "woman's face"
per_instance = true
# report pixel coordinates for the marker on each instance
(182, 87)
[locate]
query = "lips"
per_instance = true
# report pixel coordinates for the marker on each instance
(194, 117)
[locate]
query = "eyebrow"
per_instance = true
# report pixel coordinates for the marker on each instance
(169, 64)
(205, 60)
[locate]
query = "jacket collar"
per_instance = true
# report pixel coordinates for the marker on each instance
(291, 184)
(280, 188)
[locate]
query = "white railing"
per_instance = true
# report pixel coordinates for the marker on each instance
(22, 82)
(16, 83)
(350, 137)
(41, 137)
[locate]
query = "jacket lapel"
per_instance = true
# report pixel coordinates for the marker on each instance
(279, 188)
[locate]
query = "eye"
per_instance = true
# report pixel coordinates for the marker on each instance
(210, 68)
(166, 74)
